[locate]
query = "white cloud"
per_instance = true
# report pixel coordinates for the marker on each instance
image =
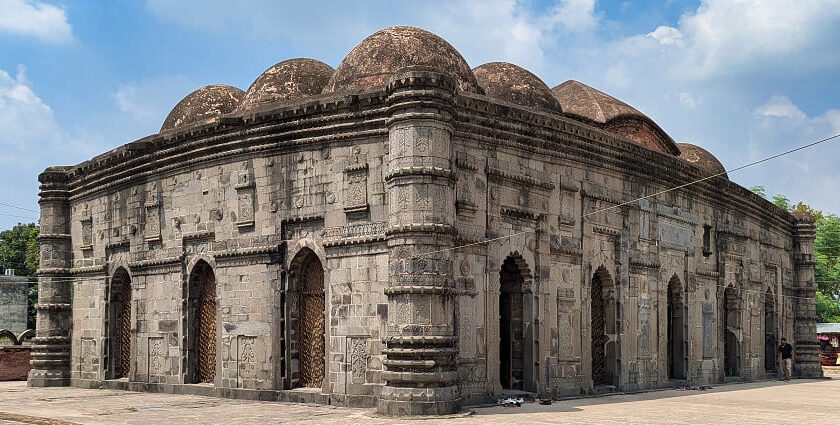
(25, 120)
(666, 36)
(482, 30)
(574, 15)
(687, 99)
(724, 34)
(780, 106)
(35, 19)
(147, 102)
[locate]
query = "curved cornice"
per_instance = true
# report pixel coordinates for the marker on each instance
(326, 119)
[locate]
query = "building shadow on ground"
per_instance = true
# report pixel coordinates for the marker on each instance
(574, 405)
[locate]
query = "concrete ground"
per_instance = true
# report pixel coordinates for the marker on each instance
(796, 402)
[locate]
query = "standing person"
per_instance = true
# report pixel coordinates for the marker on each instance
(787, 358)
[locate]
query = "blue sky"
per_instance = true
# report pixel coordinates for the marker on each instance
(743, 78)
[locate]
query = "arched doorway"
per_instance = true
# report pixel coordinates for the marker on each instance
(513, 351)
(769, 332)
(204, 332)
(308, 318)
(730, 329)
(602, 323)
(676, 330)
(119, 321)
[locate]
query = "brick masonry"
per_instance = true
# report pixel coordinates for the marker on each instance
(14, 362)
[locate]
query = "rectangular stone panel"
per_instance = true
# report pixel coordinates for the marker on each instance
(708, 330)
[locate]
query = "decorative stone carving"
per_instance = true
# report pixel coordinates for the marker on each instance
(354, 230)
(355, 193)
(245, 199)
(708, 330)
(358, 359)
(246, 357)
(644, 327)
(87, 234)
(157, 353)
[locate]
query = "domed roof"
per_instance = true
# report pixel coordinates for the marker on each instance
(289, 79)
(382, 54)
(203, 104)
(585, 102)
(515, 84)
(701, 158)
(602, 110)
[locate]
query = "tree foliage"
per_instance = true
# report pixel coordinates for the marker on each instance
(828, 309)
(19, 251)
(782, 202)
(826, 254)
(759, 190)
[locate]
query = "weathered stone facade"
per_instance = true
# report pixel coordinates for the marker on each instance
(14, 303)
(416, 238)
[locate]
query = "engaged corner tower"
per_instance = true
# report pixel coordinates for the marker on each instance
(421, 344)
(51, 350)
(807, 360)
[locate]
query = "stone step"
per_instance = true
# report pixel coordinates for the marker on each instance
(604, 389)
(525, 395)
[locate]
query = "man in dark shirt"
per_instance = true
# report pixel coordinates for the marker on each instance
(787, 357)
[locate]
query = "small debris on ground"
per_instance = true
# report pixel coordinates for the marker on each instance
(511, 402)
(694, 388)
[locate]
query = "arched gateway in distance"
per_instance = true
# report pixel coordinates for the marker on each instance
(316, 238)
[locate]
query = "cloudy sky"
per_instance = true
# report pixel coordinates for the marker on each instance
(743, 78)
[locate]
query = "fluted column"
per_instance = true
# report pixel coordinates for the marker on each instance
(421, 345)
(51, 345)
(806, 349)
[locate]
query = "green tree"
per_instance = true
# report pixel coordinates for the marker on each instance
(826, 254)
(758, 190)
(14, 246)
(828, 309)
(19, 251)
(803, 207)
(782, 202)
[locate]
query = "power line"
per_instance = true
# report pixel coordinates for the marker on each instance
(19, 208)
(19, 216)
(719, 174)
(425, 254)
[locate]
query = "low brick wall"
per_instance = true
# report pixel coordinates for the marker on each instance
(14, 362)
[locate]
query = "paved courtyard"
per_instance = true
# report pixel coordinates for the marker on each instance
(800, 402)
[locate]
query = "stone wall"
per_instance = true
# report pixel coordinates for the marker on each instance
(394, 194)
(14, 303)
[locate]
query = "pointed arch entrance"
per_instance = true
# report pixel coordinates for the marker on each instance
(603, 310)
(676, 330)
(204, 330)
(514, 350)
(306, 311)
(769, 332)
(731, 355)
(119, 325)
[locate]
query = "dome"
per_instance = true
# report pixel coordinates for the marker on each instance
(583, 101)
(290, 79)
(376, 58)
(701, 158)
(201, 105)
(514, 84)
(595, 107)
